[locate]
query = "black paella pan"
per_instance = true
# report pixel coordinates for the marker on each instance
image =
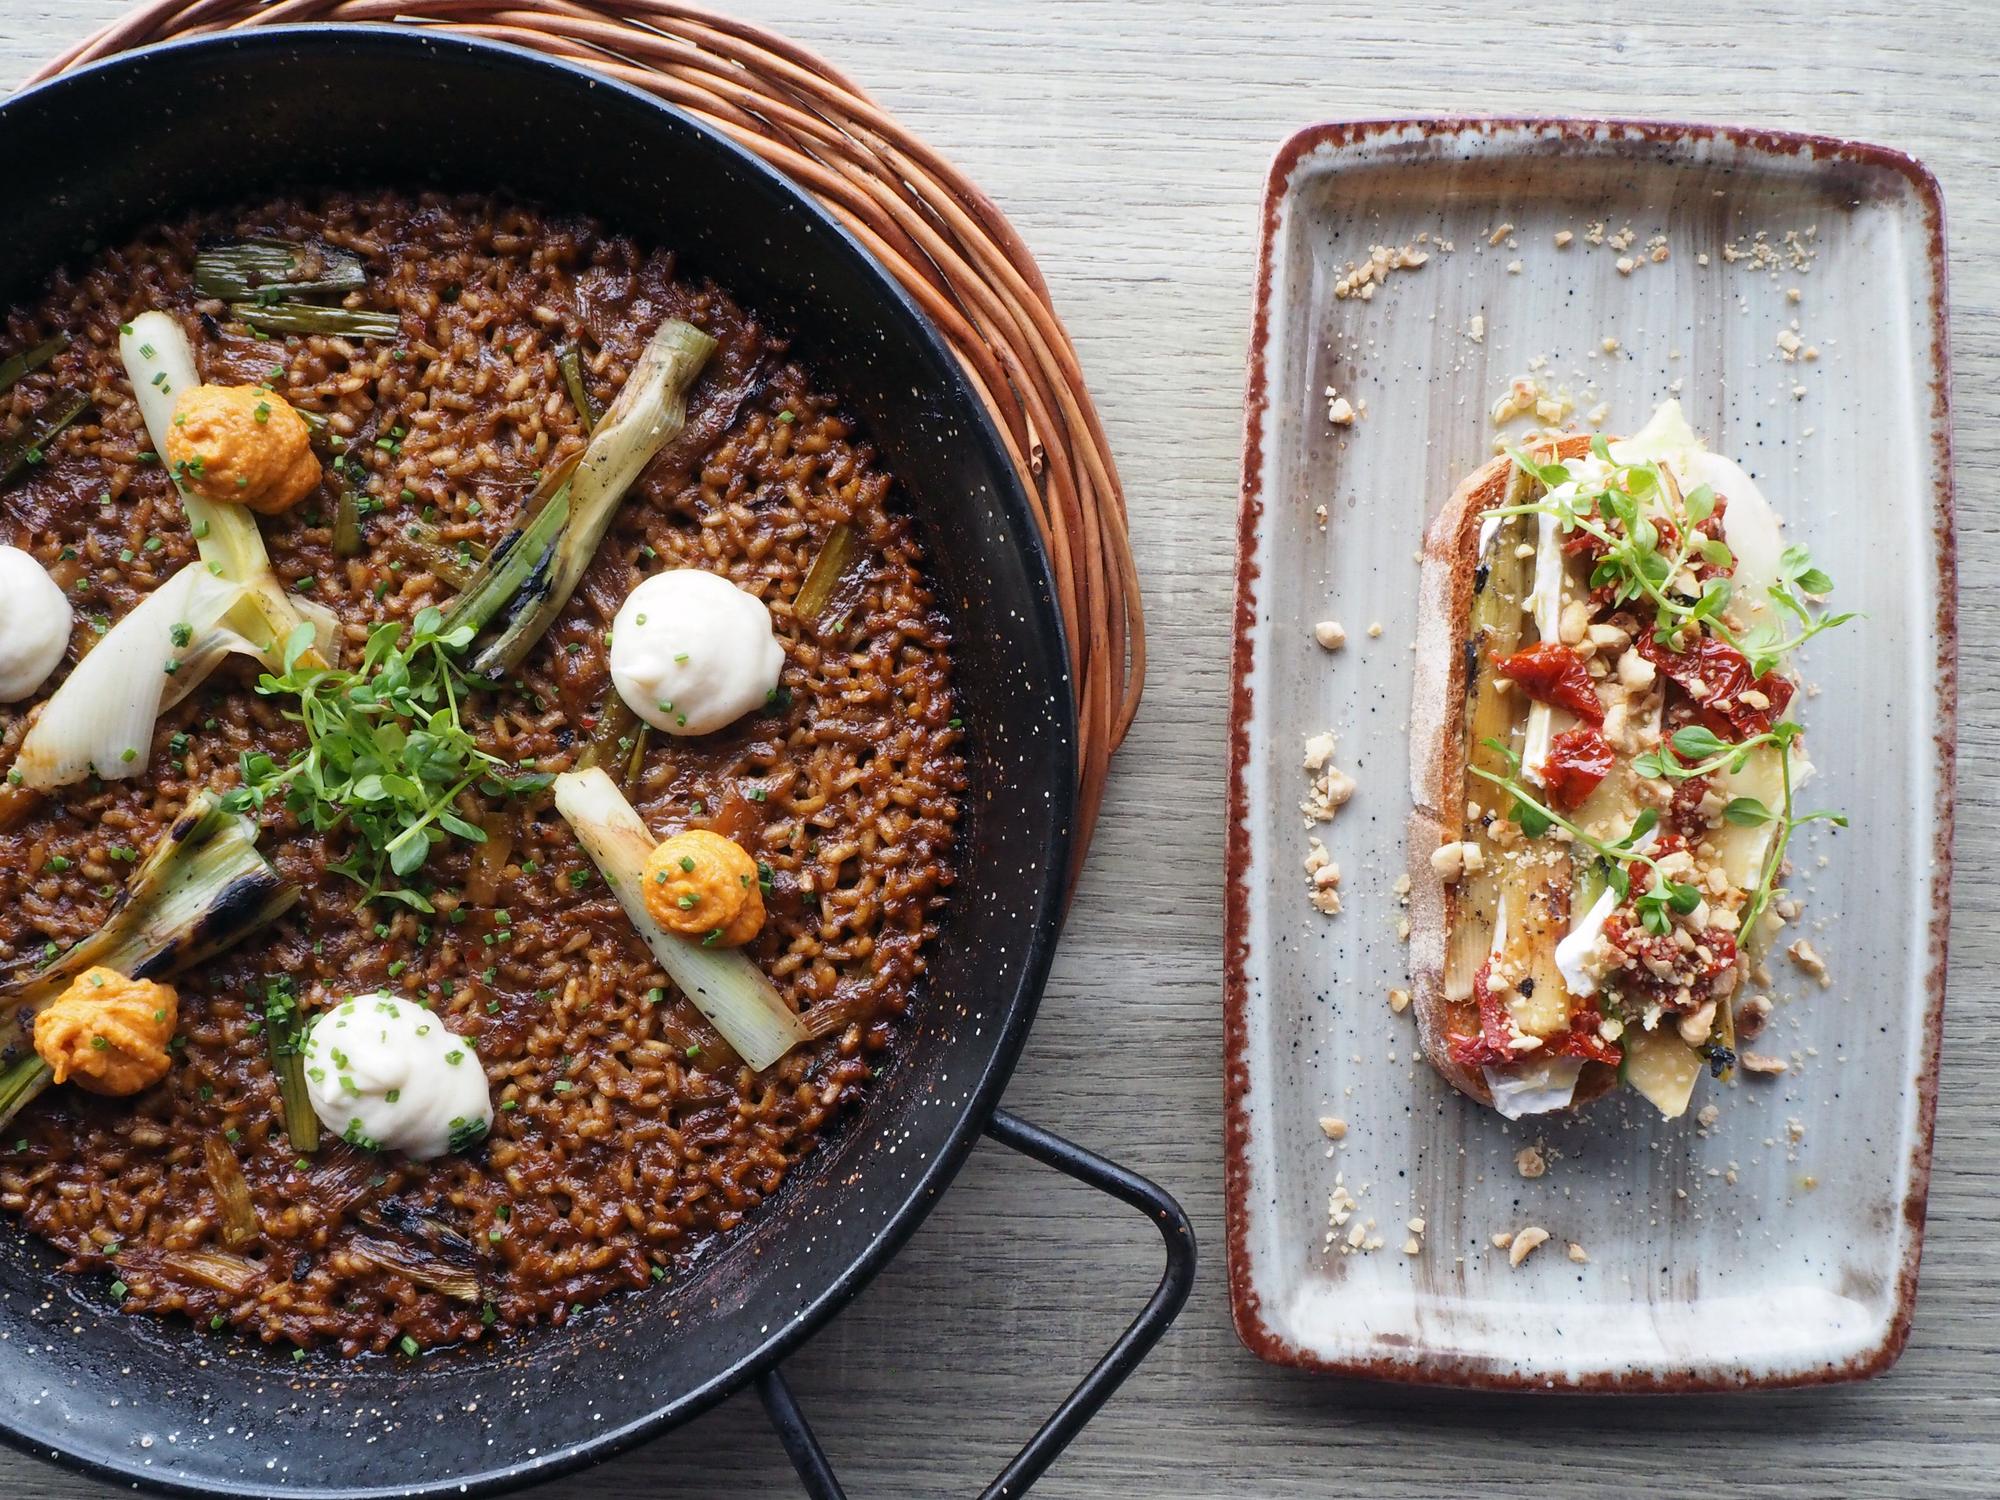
(211, 121)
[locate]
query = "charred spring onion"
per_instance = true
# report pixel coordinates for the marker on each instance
(21, 1083)
(460, 1283)
(345, 476)
(29, 360)
(346, 517)
(284, 1038)
(457, 563)
(310, 317)
(235, 1216)
(259, 270)
(232, 1274)
(723, 983)
(423, 1248)
(202, 888)
(100, 721)
(612, 737)
(570, 362)
(524, 584)
(26, 447)
(159, 361)
(843, 544)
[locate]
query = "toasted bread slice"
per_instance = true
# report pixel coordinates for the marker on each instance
(1440, 786)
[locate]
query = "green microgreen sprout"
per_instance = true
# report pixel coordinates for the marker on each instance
(387, 754)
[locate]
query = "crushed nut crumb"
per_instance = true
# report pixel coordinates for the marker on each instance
(1751, 1016)
(1330, 634)
(1530, 1162)
(1807, 957)
(1452, 862)
(1362, 279)
(1526, 1243)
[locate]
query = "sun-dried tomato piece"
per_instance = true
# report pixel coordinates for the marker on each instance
(1579, 759)
(1715, 675)
(1552, 673)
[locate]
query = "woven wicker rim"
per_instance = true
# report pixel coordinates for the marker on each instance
(935, 232)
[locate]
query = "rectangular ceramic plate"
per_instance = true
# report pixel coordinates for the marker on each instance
(1777, 1243)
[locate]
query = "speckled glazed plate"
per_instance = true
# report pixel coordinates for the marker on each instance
(1774, 1239)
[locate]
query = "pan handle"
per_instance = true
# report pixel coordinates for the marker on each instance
(1110, 1372)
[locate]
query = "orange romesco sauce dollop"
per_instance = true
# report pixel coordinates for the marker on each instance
(242, 445)
(702, 885)
(107, 1033)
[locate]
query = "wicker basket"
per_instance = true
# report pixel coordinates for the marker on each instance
(936, 233)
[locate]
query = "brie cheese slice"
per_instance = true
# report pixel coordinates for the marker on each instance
(1534, 1090)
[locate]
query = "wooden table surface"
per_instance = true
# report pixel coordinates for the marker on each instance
(1128, 140)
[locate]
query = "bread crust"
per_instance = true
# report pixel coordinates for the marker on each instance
(1437, 765)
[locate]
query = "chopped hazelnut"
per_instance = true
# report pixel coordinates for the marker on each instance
(1329, 634)
(1450, 862)
(1635, 672)
(1333, 1127)
(1761, 1063)
(1751, 1016)
(1526, 1243)
(1695, 1026)
(1807, 957)
(1574, 625)
(1530, 1162)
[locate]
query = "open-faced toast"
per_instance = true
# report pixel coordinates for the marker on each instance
(1601, 771)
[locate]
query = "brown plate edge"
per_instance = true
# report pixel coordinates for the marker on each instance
(1251, 1328)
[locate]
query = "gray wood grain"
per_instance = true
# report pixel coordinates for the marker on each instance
(1128, 140)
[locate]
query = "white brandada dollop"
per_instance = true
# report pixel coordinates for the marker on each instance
(692, 653)
(34, 625)
(385, 1073)
(1573, 952)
